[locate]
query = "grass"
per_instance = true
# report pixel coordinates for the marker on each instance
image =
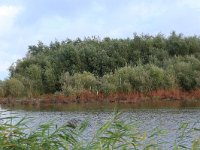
(114, 134)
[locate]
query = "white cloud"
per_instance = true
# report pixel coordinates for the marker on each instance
(195, 4)
(5, 62)
(145, 11)
(8, 15)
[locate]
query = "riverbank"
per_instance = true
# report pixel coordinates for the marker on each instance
(90, 97)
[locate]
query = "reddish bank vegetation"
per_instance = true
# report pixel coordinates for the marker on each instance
(89, 97)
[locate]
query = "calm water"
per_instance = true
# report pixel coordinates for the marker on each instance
(166, 115)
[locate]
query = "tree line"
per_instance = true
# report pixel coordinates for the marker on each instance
(142, 63)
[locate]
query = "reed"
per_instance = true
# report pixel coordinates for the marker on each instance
(114, 134)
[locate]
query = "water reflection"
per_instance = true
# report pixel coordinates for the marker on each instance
(107, 106)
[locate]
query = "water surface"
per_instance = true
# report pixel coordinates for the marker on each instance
(167, 115)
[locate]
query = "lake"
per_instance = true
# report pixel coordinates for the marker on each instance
(167, 115)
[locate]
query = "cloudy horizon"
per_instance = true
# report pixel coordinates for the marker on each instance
(25, 22)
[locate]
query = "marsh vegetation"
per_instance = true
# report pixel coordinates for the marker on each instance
(17, 134)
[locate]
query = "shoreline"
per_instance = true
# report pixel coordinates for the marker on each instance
(121, 98)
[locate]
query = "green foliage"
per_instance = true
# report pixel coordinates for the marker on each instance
(139, 79)
(185, 76)
(14, 87)
(34, 73)
(85, 80)
(50, 80)
(28, 85)
(2, 90)
(108, 84)
(67, 83)
(153, 62)
(122, 79)
(78, 82)
(113, 134)
(170, 79)
(156, 77)
(157, 56)
(177, 45)
(187, 72)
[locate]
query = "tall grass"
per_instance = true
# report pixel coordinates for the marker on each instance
(114, 134)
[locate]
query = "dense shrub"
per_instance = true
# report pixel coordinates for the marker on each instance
(170, 80)
(79, 82)
(2, 90)
(186, 74)
(139, 79)
(108, 84)
(14, 87)
(67, 83)
(156, 77)
(141, 63)
(122, 79)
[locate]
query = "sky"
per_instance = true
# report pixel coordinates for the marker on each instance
(25, 22)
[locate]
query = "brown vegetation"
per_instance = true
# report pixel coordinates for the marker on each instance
(89, 97)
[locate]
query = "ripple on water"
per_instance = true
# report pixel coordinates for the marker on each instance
(147, 119)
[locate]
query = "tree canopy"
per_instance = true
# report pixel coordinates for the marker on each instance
(141, 63)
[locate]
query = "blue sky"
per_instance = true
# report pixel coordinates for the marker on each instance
(25, 22)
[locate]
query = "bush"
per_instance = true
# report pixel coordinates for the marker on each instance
(67, 83)
(78, 83)
(170, 80)
(108, 84)
(122, 79)
(14, 87)
(108, 88)
(186, 76)
(156, 77)
(139, 79)
(68, 90)
(29, 90)
(117, 82)
(86, 80)
(2, 93)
